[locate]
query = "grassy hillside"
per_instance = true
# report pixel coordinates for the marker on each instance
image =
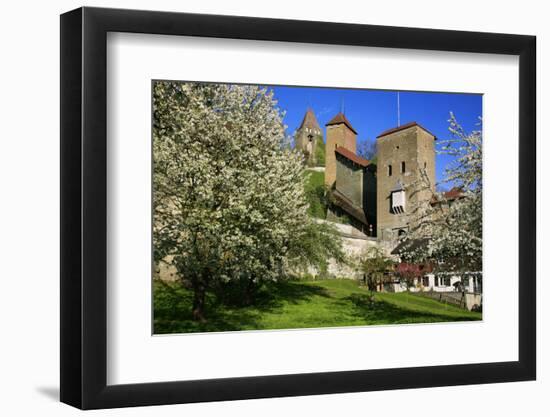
(300, 304)
(320, 152)
(315, 193)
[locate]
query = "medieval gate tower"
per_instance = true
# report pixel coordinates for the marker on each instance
(308, 136)
(403, 153)
(340, 133)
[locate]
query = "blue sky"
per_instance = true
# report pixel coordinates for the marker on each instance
(373, 111)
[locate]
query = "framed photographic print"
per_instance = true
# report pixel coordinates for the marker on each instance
(256, 208)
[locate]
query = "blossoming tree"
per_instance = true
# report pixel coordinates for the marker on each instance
(228, 192)
(450, 227)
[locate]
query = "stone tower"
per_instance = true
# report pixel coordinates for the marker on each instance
(340, 133)
(403, 152)
(308, 136)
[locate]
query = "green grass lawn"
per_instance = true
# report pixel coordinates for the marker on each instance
(299, 304)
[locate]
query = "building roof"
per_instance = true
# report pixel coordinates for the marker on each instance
(451, 195)
(397, 187)
(346, 204)
(403, 127)
(310, 120)
(346, 153)
(339, 119)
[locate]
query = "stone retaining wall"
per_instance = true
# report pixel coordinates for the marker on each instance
(469, 301)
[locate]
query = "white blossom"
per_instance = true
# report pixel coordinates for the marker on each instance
(228, 191)
(451, 228)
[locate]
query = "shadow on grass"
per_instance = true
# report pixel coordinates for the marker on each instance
(274, 294)
(314, 306)
(173, 304)
(383, 312)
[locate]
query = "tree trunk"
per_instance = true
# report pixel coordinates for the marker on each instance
(199, 295)
(249, 292)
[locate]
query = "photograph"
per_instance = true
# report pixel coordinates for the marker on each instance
(293, 207)
(272, 209)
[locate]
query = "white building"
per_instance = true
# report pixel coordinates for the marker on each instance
(470, 282)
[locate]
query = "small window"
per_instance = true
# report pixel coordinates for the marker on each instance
(443, 281)
(402, 166)
(389, 170)
(425, 165)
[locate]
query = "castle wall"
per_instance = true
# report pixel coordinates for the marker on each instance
(354, 244)
(415, 147)
(349, 180)
(369, 197)
(354, 248)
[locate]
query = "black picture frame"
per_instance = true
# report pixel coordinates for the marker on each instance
(84, 207)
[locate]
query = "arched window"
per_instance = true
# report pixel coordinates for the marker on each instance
(402, 166)
(389, 170)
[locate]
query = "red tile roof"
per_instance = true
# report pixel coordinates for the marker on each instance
(346, 153)
(403, 127)
(310, 120)
(453, 194)
(339, 119)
